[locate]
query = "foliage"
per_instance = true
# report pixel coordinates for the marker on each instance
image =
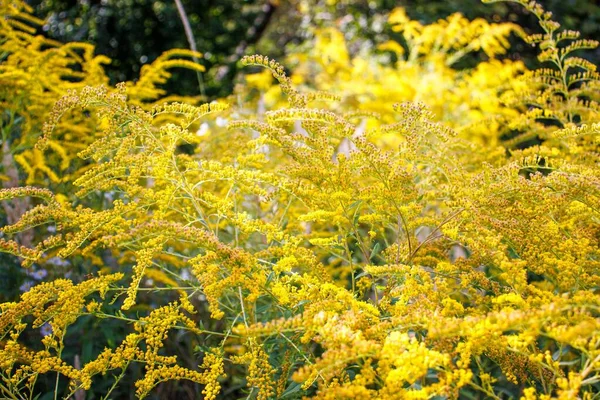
(419, 66)
(336, 246)
(134, 33)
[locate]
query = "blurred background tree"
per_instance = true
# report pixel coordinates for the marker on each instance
(134, 32)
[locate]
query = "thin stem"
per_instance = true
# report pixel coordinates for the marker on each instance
(103, 315)
(296, 348)
(242, 304)
(117, 380)
(191, 40)
(430, 236)
(590, 366)
(56, 386)
(8, 392)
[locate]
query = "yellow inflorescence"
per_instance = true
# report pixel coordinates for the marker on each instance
(427, 232)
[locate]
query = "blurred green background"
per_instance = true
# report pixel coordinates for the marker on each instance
(135, 32)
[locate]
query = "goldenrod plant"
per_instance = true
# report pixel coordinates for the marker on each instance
(420, 65)
(36, 72)
(339, 244)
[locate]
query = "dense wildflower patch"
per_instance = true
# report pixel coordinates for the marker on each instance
(355, 229)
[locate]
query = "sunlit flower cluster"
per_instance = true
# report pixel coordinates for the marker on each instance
(386, 241)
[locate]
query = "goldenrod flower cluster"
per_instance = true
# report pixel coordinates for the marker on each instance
(420, 232)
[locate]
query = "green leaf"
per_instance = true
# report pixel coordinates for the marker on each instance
(364, 273)
(376, 249)
(291, 390)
